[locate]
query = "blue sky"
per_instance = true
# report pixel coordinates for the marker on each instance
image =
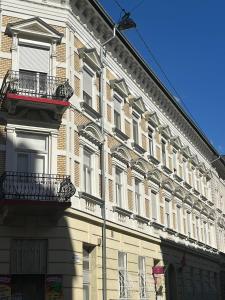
(188, 39)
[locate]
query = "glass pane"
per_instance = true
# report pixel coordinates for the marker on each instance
(37, 164)
(22, 162)
(87, 82)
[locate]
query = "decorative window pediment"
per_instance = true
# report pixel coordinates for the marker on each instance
(155, 176)
(188, 199)
(152, 118)
(120, 86)
(91, 57)
(34, 27)
(140, 165)
(194, 160)
(138, 104)
(168, 185)
(121, 153)
(186, 151)
(205, 211)
(178, 192)
(212, 215)
(176, 142)
(202, 167)
(208, 174)
(197, 205)
(165, 131)
(92, 132)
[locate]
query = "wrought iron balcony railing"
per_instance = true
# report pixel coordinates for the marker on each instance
(35, 186)
(34, 84)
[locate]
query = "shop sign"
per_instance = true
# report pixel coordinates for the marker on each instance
(158, 270)
(54, 290)
(5, 287)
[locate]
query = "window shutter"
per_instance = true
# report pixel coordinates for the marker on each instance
(34, 59)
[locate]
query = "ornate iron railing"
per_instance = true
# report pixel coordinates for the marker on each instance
(34, 84)
(35, 186)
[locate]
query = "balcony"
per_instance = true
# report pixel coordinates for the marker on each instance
(35, 90)
(34, 194)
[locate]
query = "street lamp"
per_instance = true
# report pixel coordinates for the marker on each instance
(125, 23)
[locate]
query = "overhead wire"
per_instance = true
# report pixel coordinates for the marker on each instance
(178, 96)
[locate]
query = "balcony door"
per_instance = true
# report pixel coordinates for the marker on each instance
(31, 162)
(33, 68)
(32, 166)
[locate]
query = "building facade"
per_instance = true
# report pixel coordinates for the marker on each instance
(108, 189)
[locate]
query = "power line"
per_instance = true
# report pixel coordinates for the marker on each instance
(156, 61)
(136, 6)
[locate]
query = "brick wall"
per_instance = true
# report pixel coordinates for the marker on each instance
(76, 62)
(77, 174)
(61, 165)
(5, 65)
(77, 43)
(110, 190)
(62, 138)
(76, 143)
(61, 72)
(61, 52)
(77, 86)
(6, 43)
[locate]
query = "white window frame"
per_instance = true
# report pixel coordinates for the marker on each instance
(167, 220)
(11, 146)
(88, 171)
(138, 196)
(88, 69)
(164, 153)
(136, 118)
(142, 277)
(119, 187)
(120, 101)
(123, 276)
(154, 216)
(123, 167)
(151, 140)
(84, 143)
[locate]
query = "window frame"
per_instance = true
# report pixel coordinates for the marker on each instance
(92, 74)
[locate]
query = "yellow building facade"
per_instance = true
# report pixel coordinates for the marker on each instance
(108, 189)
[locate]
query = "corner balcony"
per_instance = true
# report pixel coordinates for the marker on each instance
(28, 89)
(34, 194)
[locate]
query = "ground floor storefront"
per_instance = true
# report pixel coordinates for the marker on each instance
(43, 260)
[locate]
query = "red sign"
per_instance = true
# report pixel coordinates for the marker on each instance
(158, 270)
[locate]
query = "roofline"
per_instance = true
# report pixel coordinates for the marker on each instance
(144, 64)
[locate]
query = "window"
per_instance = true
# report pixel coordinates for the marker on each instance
(137, 196)
(150, 141)
(167, 213)
(142, 276)
(178, 219)
(153, 206)
(87, 251)
(119, 199)
(32, 153)
(189, 223)
(164, 152)
(197, 228)
(175, 160)
(87, 171)
(185, 169)
(122, 267)
(87, 87)
(33, 68)
(135, 129)
(117, 112)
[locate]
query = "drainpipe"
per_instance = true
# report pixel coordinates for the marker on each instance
(102, 159)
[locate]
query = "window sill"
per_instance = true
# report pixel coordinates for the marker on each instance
(157, 225)
(196, 192)
(166, 169)
(90, 111)
(141, 219)
(187, 185)
(120, 134)
(122, 211)
(91, 198)
(170, 231)
(210, 203)
(153, 160)
(138, 148)
(177, 178)
(182, 236)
